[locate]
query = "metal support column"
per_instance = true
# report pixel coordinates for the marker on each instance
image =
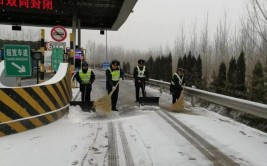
(73, 42)
(106, 45)
(71, 57)
(79, 33)
(42, 59)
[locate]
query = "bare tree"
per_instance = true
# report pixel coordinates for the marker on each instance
(235, 39)
(91, 53)
(204, 50)
(257, 19)
(193, 38)
(221, 41)
(179, 46)
(26, 34)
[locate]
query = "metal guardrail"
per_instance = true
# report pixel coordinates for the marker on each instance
(257, 109)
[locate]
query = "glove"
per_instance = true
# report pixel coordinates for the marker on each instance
(113, 88)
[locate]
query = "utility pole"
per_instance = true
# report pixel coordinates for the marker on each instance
(106, 45)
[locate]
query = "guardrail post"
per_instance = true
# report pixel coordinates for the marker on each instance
(19, 81)
(160, 88)
(193, 98)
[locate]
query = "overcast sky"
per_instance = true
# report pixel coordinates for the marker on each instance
(157, 22)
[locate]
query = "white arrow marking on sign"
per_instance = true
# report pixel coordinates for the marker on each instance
(21, 69)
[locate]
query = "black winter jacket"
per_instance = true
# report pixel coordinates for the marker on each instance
(146, 74)
(176, 85)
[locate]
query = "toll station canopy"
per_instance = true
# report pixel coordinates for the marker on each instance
(92, 14)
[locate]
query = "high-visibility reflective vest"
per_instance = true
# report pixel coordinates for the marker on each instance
(141, 73)
(115, 74)
(179, 78)
(85, 77)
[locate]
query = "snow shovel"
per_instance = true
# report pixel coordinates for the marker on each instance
(148, 100)
(86, 107)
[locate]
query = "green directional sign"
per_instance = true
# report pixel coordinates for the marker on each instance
(17, 60)
(57, 58)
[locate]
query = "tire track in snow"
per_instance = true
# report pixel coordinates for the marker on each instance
(91, 147)
(217, 157)
(125, 145)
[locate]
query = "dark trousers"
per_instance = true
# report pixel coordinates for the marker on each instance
(86, 96)
(139, 85)
(175, 96)
(114, 97)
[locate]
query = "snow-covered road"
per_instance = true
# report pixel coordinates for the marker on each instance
(136, 136)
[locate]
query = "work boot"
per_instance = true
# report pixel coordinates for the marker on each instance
(137, 100)
(93, 109)
(114, 109)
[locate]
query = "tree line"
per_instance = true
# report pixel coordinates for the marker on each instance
(230, 82)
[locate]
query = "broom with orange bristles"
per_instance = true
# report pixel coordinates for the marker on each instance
(179, 104)
(104, 103)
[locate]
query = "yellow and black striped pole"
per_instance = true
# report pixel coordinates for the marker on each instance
(42, 58)
(71, 57)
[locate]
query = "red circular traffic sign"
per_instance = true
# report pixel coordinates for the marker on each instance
(58, 33)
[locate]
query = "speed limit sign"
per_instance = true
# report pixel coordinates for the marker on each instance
(58, 33)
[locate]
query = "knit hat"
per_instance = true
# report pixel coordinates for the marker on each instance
(180, 69)
(84, 63)
(141, 61)
(115, 62)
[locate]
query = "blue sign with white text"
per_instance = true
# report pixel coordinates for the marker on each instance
(105, 65)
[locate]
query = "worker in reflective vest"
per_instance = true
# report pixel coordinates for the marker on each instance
(141, 76)
(85, 77)
(113, 75)
(176, 84)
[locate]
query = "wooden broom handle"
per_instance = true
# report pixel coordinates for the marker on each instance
(114, 88)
